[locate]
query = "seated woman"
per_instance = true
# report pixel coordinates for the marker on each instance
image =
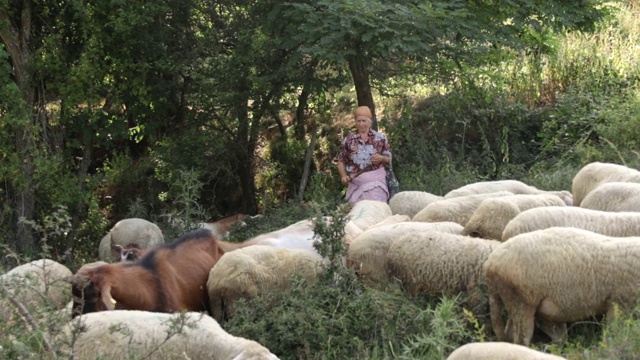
(362, 160)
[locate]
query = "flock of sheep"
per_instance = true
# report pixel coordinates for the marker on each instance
(546, 257)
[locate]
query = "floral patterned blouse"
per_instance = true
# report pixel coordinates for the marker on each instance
(356, 153)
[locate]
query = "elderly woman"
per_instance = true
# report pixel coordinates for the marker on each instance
(362, 160)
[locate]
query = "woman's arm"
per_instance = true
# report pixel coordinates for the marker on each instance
(344, 177)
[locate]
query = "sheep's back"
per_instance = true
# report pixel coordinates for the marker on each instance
(457, 209)
(411, 202)
(38, 284)
(437, 263)
(136, 231)
(492, 215)
(121, 334)
(613, 196)
(619, 224)
(594, 174)
(484, 187)
(498, 351)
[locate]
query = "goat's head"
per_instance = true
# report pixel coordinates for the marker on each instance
(129, 252)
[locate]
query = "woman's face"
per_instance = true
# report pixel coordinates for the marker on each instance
(362, 124)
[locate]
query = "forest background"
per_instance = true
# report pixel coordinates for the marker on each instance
(187, 111)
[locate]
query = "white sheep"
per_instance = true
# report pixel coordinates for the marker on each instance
(367, 213)
(104, 248)
(492, 215)
(456, 209)
(367, 253)
(411, 202)
(613, 196)
(255, 270)
(594, 174)
(559, 275)
(298, 235)
(512, 186)
(602, 222)
(436, 263)
(128, 334)
(130, 231)
(39, 285)
(352, 231)
(363, 215)
(498, 351)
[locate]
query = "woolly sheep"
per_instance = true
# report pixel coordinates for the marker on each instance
(613, 196)
(367, 213)
(457, 209)
(594, 174)
(104, 248)
(363, 215)
(559, 275)
(367, 253)
(352, 231)
(411, 202)
(124, 334)
(436, 263)
(38, 285)
(254, 270)
(499, 351)
(295, 236)
(484, 187)
(602, 222)
(492, 215)
(130, 231)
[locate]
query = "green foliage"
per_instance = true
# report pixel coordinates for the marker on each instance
(397, 34)
(474, 126)
(447, 332)
(328, 235)
(288, 153)
(127, 184)
(53, 230)
(185, 211)
(324, 321)
(324, 188)
(619, 336)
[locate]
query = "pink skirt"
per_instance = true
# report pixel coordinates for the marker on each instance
(370, 185)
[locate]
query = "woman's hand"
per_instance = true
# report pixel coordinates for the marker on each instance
(377, 159)
(346, 179)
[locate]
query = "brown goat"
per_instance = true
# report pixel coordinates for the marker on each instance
(168, 278)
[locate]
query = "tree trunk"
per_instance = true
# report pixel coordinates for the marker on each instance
(244, 149)
(80, 210)
(16, 42)
(360, 75)
(303, 99)
(307, 162)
